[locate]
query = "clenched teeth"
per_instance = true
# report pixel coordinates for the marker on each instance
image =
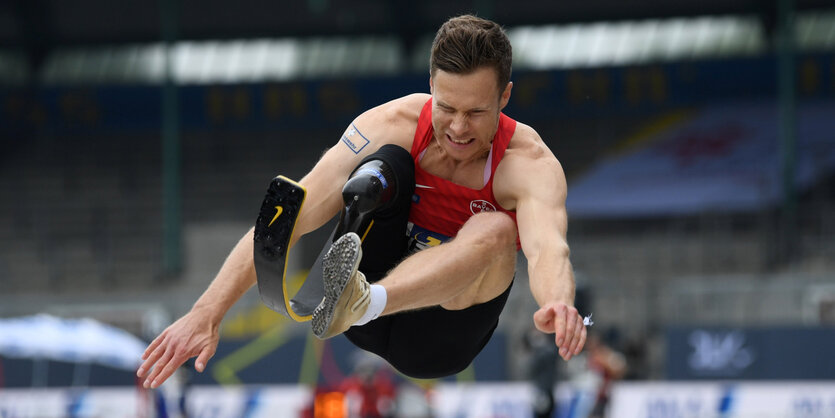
(461, 141)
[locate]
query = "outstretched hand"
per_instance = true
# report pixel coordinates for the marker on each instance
(192, 335)
(567, 325)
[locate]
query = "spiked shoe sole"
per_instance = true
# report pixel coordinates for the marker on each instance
(339, 265)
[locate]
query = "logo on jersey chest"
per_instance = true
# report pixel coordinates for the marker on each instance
(477, 206)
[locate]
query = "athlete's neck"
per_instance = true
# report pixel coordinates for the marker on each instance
(468, 172)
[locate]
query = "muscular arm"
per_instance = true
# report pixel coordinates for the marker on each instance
(543, 226)
(196, 333)
(531, 179)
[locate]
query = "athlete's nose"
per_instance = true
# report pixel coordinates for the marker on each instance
(458, 126)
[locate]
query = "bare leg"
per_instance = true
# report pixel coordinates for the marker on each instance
(473, 268)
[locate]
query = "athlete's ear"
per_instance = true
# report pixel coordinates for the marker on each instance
(505, 97)
(431, 86)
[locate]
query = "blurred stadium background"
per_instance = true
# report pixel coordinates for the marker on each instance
(698, 137)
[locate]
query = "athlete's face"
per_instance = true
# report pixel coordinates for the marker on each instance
(465, 111)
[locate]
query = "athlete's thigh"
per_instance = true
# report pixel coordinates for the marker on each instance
(491, 283)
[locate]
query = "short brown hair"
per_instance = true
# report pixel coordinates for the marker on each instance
(465, 43)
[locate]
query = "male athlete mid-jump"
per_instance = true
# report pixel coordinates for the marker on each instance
(436, 192)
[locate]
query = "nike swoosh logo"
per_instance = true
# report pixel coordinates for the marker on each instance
(278, 210)
(420, 186)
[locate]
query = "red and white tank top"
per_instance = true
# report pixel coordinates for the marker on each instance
(439, 206)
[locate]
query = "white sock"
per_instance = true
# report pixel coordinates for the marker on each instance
(379, 297)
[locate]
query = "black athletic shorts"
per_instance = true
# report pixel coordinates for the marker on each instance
(427, 343)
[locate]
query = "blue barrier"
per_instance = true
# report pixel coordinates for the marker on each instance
(698, 353)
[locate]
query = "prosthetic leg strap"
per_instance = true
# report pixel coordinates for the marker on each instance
(273, 232)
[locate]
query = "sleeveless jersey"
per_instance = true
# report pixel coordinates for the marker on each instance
(439, 206)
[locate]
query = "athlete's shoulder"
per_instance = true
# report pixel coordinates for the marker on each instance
(406, 108)
(527, 144)
(527, 162)
(394, 121)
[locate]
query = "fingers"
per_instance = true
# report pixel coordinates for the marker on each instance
(161, 373)
(576, 349)
(566, 324)
(162, 358)
(207, 353)
(189, 336)
(571, 334)
(578, 339)
(163, 361)
(152, 346)
(151, 356)
(560, 325)
(153, 379)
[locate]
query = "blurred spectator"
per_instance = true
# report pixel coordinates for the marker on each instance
(542, 371)
(635, 352)
(608, 364)
(370, 391)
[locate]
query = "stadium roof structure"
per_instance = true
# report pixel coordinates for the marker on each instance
(38, 26)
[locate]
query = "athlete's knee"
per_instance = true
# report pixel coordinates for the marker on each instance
(496, 230)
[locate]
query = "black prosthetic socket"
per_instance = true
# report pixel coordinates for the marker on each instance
(381, 187)
(370, 188)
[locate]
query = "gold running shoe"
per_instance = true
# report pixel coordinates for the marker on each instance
(347, 293)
